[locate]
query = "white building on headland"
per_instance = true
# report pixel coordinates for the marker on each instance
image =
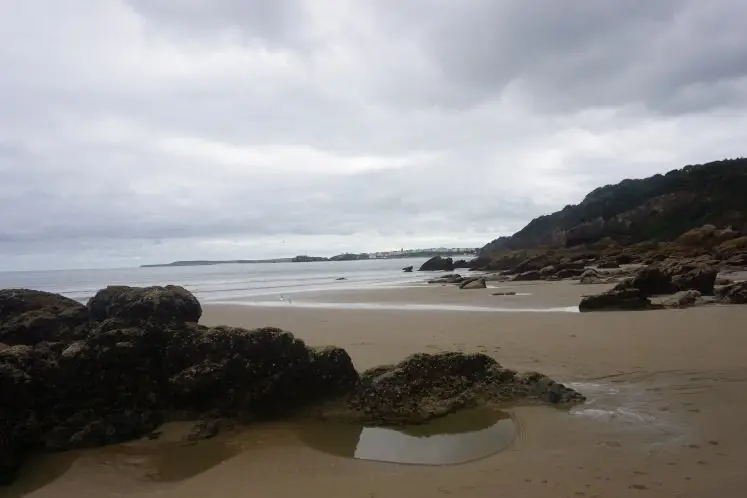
(444, 251)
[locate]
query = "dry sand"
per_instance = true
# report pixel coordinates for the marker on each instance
(667, 414)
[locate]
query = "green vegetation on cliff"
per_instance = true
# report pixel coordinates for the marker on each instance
(658, 208)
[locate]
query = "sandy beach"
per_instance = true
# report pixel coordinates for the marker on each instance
(666, 416)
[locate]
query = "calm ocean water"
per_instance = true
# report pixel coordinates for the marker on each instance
(226, 281)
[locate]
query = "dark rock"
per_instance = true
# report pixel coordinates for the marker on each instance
(473, 283)
(407, 269)
(569, 273)
(462, 264)
(341, 278)
(437, 263)
(330, 373)
(732, 294)
(425, 386)
(702, 279)
(624, 259)
(527, 276)
(170, 304)
(448, 279)
(650, 281)
(30, 317)
(507, 293)
(616, 300)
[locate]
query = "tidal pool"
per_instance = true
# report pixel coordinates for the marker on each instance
(458, 438)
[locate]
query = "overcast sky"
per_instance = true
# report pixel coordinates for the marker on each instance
(142, 131)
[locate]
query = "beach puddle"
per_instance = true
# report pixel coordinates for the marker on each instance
(458, 438)
(121, 469)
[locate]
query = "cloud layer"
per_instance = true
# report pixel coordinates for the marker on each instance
(138, 131)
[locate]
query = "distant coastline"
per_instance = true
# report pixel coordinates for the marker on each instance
(402, 254)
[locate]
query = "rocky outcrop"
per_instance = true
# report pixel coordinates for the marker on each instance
(407, 269)
(438, 263)
(461, 263)
(658, 208)
(29, 316)
(140, 361)
(425, 386)
(473, 283)
(616, 300)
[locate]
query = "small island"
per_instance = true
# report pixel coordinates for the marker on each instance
(401, 254)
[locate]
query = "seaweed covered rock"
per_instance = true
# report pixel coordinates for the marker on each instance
(170, 304)
(30, 316)
(257, 373)
(131, 371)
(426, 386)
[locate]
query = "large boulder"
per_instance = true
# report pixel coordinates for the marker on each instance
(650, 281)
(701, 279)
(170, 304)
(473, 283)
(616, 300)
(732, 294)
(425, 386)
(437, 263)
(462, 264)
(30, 316)
(262, 372)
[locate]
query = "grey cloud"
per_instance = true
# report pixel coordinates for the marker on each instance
(142, 131)
(276, 21)
(670, 55)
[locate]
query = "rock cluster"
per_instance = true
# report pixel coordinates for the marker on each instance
(74, 376)
(687, 283)
(134, 358)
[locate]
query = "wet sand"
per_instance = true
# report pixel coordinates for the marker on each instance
(667, 410)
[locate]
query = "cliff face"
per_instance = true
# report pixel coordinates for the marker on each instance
(658, 208)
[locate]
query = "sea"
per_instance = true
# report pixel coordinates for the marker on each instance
(229, 282)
